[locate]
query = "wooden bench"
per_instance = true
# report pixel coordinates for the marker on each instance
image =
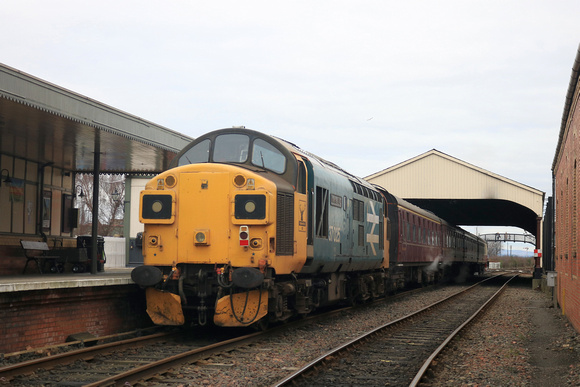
(37, 251)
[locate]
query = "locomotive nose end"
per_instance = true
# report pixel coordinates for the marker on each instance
(146, 275)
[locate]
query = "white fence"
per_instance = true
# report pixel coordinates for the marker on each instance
(115, 251)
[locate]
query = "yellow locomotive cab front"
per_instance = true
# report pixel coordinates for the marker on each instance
(209, 218)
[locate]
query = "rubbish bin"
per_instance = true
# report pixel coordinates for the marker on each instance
(86, 241)
(135, 250)
(551, 278)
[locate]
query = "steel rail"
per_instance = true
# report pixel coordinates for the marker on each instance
(149, 370)
(331, 354)
(30, 366)
(429, 361)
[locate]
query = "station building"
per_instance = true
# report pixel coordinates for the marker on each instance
(48, 134)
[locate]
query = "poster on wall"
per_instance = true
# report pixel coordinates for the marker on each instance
(16, 190)
(46, 208)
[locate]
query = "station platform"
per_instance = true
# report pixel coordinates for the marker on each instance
(39, 310)
(108, 277)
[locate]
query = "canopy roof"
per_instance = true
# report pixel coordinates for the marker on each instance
(45, 123)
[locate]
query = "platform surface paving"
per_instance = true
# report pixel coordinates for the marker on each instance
(108, 277)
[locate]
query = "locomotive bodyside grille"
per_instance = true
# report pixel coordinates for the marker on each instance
(285, 224)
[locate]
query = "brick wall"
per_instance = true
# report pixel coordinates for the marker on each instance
(13, 260)
(33, 319)
(567, 219)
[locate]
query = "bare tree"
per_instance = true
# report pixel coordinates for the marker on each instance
(111, 204)
(493, 249)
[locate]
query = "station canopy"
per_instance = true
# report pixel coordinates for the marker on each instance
(50, 125)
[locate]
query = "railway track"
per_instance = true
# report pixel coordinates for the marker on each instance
(136, 360)
(128, 361)
(105, 364)
(399, 352)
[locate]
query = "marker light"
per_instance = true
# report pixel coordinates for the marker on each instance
(244, 236)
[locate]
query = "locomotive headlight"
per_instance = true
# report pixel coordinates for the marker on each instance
(250, 206)
(157, 207)
(201, 237)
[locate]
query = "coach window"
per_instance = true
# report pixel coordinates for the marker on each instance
(232, 148)
(199, 153)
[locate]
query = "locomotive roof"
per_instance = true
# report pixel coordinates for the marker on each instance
(284, 146)
(287, 148)
(325, 163)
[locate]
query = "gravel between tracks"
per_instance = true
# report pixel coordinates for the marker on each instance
(521, 341)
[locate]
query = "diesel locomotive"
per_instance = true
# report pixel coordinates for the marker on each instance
(245, 228)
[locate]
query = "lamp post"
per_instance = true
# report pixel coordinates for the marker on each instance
(79, 194)
(7, 179)
(79, 199)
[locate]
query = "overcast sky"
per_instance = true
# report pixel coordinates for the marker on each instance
(365, 84)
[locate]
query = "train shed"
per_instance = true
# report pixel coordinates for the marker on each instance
(462, 193)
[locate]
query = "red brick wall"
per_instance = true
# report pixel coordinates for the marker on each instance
(13, 261)
(33, 319)
(567, 225)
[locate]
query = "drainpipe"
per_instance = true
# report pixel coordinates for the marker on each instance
(95, 224)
